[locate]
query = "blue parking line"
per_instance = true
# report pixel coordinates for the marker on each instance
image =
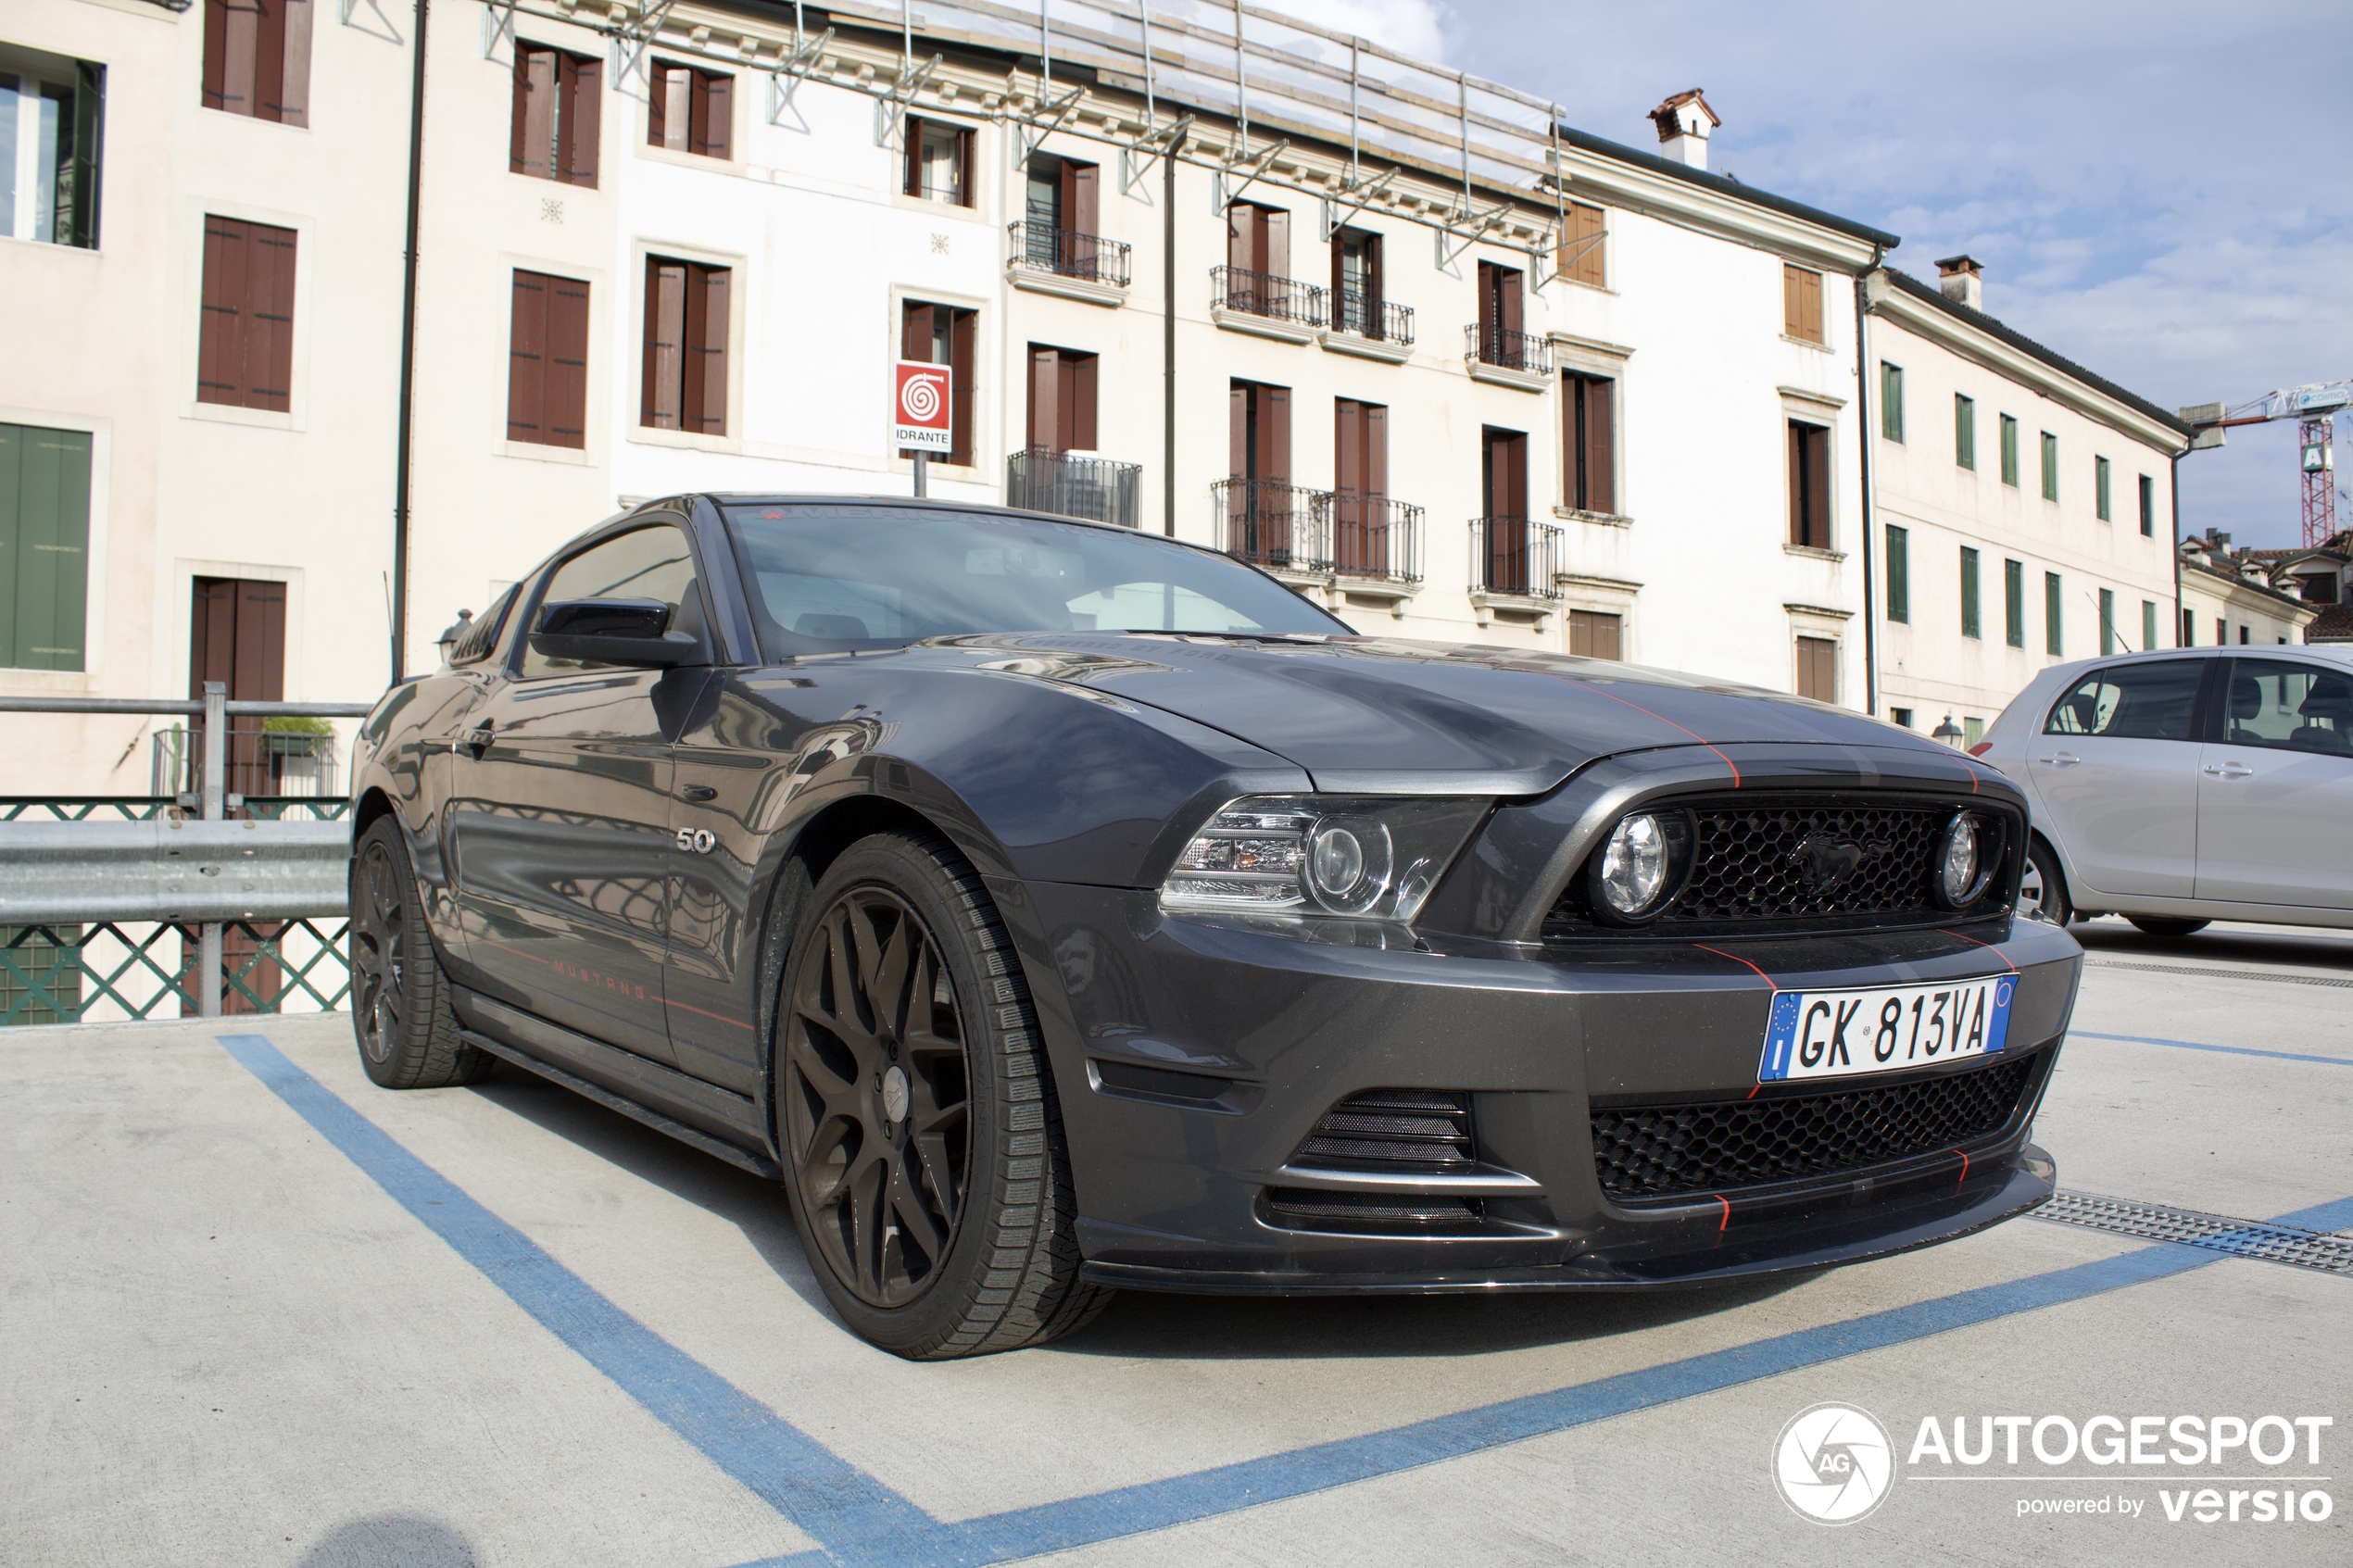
(851, 1512)
(857, 1519)
(2200, 1046)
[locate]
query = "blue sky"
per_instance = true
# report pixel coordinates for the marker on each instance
(2161, 191)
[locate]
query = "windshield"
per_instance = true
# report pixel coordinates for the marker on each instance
(827, 578)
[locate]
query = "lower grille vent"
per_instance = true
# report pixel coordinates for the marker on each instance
(1301, 1210)
(1394, 1130)
(1646, 1151)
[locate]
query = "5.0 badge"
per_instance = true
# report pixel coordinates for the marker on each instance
(697, 841)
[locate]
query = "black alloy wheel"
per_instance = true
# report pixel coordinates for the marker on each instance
(2042, 889)
(921, 1138)
(400, 1009)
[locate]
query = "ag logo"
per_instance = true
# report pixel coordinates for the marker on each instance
(1834, 1463)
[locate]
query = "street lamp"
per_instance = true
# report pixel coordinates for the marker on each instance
(447, 641)
(1946, 734)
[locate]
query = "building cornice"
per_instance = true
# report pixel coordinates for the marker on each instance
(2262, 591)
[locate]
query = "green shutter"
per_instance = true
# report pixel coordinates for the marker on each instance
(1899, 573)
(78, 186)
(2050, 467)
(44, 542)
(2099, 488)
(2014, 603)
(2149, 625)
(2149, 507)
(2053, 643)
(1968, 593)
(2108, 639)
(2009, 451)
(1965, 431)
(1891, 401)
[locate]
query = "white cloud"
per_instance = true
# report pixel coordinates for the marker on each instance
(1409, 27)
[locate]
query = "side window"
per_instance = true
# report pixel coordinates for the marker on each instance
(2129, 702)
(2291, 706)
(646, 563)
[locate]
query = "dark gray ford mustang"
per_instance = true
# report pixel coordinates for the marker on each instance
(1052, 909)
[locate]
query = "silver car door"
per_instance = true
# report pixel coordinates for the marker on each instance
(2116, 769)
(2275, 795)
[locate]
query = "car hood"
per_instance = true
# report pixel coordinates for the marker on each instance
(1383, 715)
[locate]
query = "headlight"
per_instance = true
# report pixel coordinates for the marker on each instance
(1321, 854)
(1965, 860)
(1641, 866)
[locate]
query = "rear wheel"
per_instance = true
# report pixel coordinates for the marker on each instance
(399, 1001)
(923, 1145)
(2159, 925)
(2042, 890)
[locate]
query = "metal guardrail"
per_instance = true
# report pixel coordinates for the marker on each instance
(74, 882)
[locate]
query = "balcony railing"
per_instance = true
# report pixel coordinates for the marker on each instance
(1090, 258)
(1508, 350)
(1373, 538)
(1267, 523)
(1043, 481)
(1262, 293)
(1516, 556)
(1367, 316)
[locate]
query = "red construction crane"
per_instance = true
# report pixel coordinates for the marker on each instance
(2313, 408)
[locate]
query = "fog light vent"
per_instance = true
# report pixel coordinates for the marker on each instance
(1301, 1210)
(1394, 1130)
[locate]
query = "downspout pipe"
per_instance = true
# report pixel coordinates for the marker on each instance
(2174, 483)
(403, 441)
(1169, 337)
(1863, 453)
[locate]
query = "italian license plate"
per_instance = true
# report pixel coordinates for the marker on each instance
(1845, 1033)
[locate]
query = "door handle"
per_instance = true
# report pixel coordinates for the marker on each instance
(2060, 759)
(477, 740)
(2229, 769)
(699, 792)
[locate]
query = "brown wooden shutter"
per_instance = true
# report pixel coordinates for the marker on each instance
(914, 333)
(962, 335)
(1348, 452)
(527, 358)
(1582, 260)
(964, 168)
(1789, 313)
(1082, 202)
(1818, 485)
(1241, 238)
(1506, 474)
(293, 107)
(914, 135)
(1079, 400)
(212, 634)
(714, 115)
(580, 112)
(567, 401)
(261, 643)
(1487, 321)
(1376, 285)
(1340, 275)
(1045, 428)
(240, 42)
(665, 338)
(1238, 430)
(269, 58)
(1277, 251)
(1273, 433)
(216, 55)
(1507, 286)
(1376, 485)
(535, 113)
(705, 403)
(1601, 453)
(220, 330)
(266, 368)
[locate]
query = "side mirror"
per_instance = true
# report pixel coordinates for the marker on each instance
(628, 632)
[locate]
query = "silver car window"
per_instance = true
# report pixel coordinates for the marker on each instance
(2292, 707)
(2149, 702)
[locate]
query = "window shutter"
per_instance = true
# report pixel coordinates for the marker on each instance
(1238, 430)
(2052, 611)
(707, 320)
(44, 535)
(914, 333)
(220, 332)
(241, 25)
(1376, 483)
(270, 330)
(294, 86)
(1273, 433)
(565, 408)
(581, 114)
(714, 115)
(1970, 621)
(1376, 286)
(216, 56)
(269, 58)
(1507, 280)
(1348, 436)
(1797, 483)
(1963, 431)
(1486, 313)
(1081, 401)
(665, 334)
(1044, 383)
(961, 342)
(527, 358)
(1277, 258)
(1341, 239)
(1791, 314)
(1601, 446)
(534, 112)
(912, 134)
(1081, 200)
(1241, 252)
(260, 669)
(1899, 573)
(1581, 259)
(963, 145)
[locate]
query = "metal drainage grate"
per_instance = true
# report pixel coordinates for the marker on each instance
(2223, 973)
(2242, 1238)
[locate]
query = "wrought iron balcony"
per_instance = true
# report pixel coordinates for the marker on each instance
(1369, 316)
(1373, 538)
(1523, 352)
(1262, 293)
(1516, 556)
(1270, 524)
(1089, 259)
(1042, 481)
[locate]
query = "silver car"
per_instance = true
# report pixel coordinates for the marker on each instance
(2188, 785)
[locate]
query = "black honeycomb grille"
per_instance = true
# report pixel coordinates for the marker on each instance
(1393, 1130)
(1747, 865)
(1647, 1151)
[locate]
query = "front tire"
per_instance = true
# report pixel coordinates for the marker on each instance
(2041, 888)
(2160, 925)
(400, 1009)
(921, 1142)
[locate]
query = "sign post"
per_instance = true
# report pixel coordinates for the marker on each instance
(920, 416)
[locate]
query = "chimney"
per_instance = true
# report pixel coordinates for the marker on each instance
(1683, 123)
(1963, 280)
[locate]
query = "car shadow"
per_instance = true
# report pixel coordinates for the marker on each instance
(2111, 938)
(1137, 1323)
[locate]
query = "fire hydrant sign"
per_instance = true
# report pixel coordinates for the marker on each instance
(919, 408)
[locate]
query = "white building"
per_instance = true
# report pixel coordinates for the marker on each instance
(1460, 371)
(2246, 596)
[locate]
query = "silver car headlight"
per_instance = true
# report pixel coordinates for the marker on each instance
(1370, 856)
